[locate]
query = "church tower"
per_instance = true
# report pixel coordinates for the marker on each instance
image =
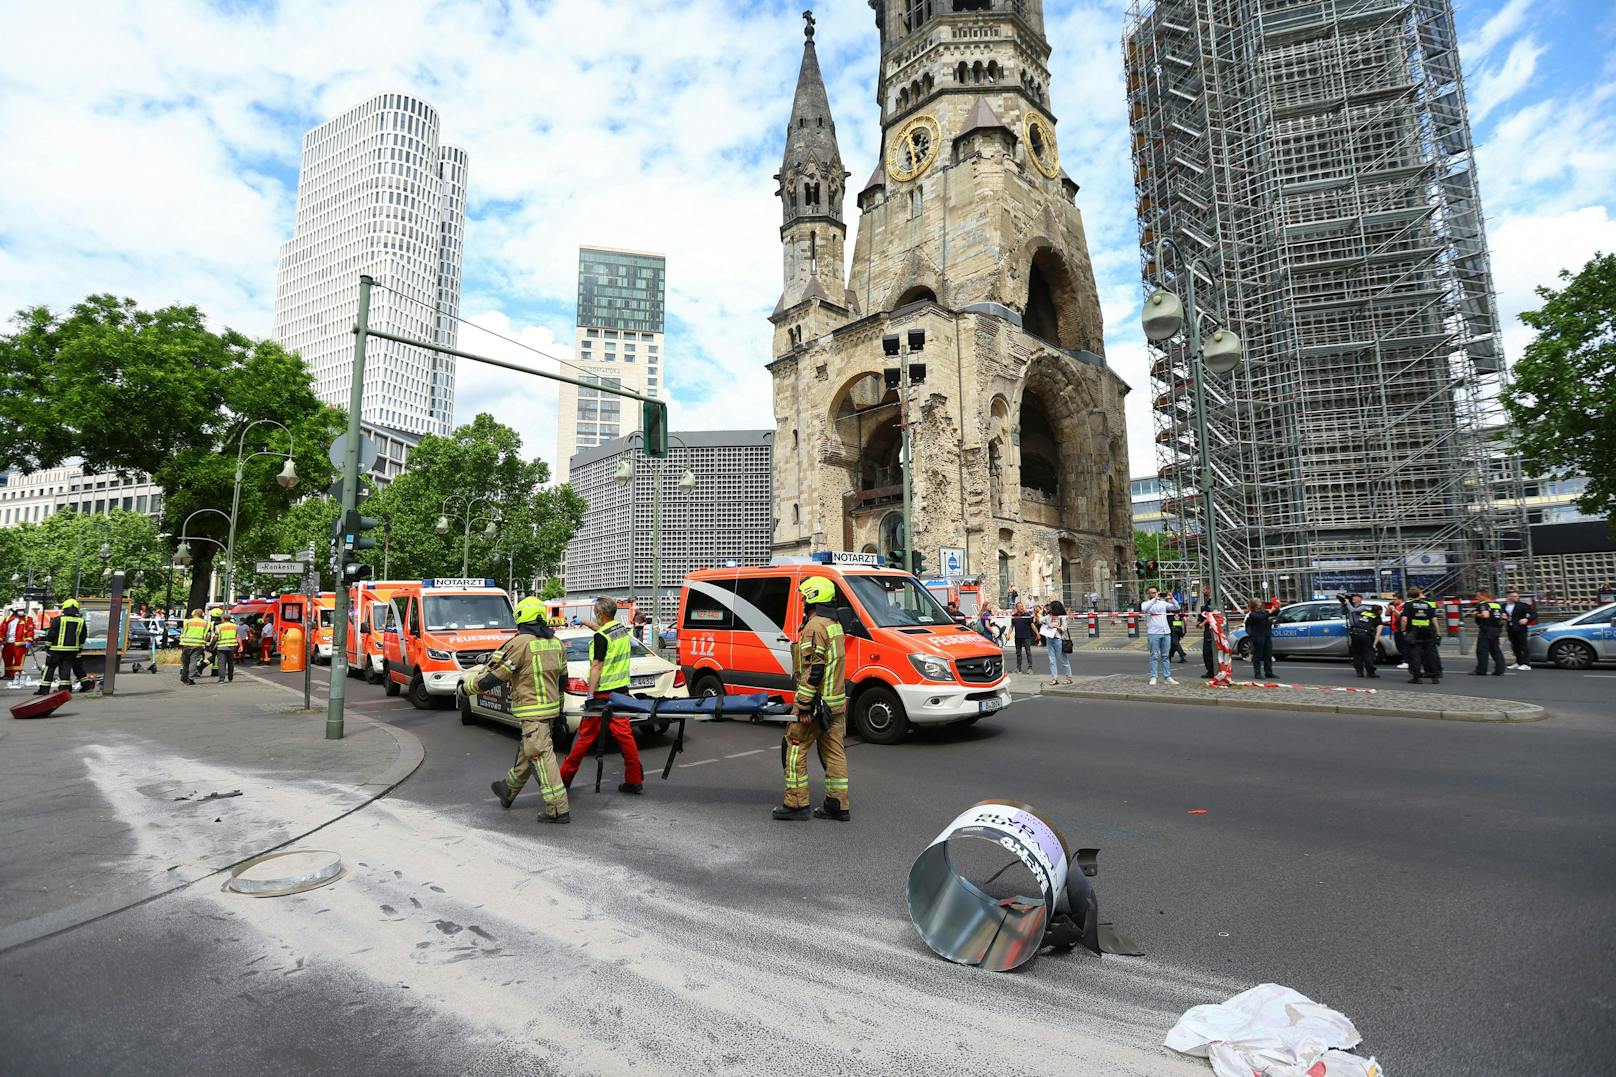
(969, 231)
(812, 183)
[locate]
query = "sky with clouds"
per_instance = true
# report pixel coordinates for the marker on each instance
(152, 151)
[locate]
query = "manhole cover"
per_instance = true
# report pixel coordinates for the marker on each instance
(290, 872)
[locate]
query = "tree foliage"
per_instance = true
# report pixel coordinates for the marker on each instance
(68, 544)
(157, 392)
(480, 465)
(1562, 399)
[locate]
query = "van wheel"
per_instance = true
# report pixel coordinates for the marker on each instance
(372, 677)
(1244, 650)
(389, 685)
(561, 737)
(467, 715)
(879, 717)
(708, 684)
(419, 697)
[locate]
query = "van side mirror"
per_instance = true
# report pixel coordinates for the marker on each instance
(851, 625)
(364, 629)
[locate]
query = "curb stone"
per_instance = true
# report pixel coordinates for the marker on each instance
(411, 753)
(1484, 710)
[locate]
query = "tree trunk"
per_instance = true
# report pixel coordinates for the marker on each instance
(201, 572)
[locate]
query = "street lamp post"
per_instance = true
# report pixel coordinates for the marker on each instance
(182, 552)
(1164, 316)
(687, 482)
(444, 516)
(287, 479)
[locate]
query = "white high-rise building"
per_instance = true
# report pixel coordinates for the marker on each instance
(378, 193)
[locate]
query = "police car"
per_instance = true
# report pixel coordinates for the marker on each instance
(649, 677)
(1308, 629)
(1577, 643)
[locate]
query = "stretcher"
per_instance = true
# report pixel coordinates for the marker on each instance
(700, 708)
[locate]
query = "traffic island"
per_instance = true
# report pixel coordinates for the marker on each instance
(1391, 702)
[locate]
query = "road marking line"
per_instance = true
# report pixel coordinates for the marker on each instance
(754, 751)
(697, 763)
(1601, 676)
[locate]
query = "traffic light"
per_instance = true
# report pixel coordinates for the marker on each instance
(919, 568)
(352, 539)
(1139, 569)
(654, 425)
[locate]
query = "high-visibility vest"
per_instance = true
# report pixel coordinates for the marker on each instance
(69, 634)
(195, 633)
(227, 633)
(614, 670)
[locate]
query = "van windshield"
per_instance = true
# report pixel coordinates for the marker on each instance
(897, 601)
(451, 612)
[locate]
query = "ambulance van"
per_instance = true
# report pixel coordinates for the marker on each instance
(326, 605)
(908, 663)
(367, 625)
(438, 628)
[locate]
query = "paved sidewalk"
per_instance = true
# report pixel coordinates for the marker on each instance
(213, 774)
(1408, 704)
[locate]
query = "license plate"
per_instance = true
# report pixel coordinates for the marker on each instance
(990, 705)
(642, 682)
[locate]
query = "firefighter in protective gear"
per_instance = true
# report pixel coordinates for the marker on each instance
(63, 640)
(819, 662)
(16, 633)
(534, 663)
(610, 652)
(193, 637)
(226, 635)
(1420, 620)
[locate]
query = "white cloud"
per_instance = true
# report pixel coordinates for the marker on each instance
(1504, 24)
(1530, 251)
(1498, 84)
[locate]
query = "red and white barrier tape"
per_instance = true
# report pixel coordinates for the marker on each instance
(1309, 687)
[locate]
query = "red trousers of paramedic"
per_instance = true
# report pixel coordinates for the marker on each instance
(620, 731)
(14, 655)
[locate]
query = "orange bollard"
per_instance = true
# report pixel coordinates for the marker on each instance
(292, 657)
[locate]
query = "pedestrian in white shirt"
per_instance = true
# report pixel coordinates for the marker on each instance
(1158, 634)
(1053, 630)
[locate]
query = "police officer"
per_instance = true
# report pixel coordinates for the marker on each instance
(226, 634)
(1489, 618)
(610, 652)
(63, 640)
(1420, 619)
(1363, 633)
(534, 663)
(819, 666)
(1175, 629)
(193, 637)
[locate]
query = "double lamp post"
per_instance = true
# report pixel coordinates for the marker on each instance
(687, 482)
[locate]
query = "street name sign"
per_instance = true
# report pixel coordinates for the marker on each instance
(279, 568)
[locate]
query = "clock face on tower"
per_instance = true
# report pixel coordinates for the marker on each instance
(914, 148)
(1039, 138)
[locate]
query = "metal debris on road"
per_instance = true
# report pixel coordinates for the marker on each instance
(290, 871)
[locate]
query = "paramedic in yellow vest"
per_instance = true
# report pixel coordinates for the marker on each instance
(226, 635)
(63, 641)
(193, 637)
(534, 663)
(819, 662)
(610, 652)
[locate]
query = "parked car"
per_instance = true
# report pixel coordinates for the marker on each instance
(1577, 643)
(1312, 629)
(649, 677)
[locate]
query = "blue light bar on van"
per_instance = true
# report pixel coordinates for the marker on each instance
(846, 557)
(458, 581)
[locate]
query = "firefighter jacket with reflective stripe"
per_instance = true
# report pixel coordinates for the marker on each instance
(226, 634)
(534, 666)
(66, 633)
(195, 632)
(614, 670)
(822, 645)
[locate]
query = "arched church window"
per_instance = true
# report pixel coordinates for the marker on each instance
(916, 12)
(962, 73)
(976, 71)
(993, 71)
(903, 98)
(813, 252)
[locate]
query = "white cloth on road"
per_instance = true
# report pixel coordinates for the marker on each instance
(1273, 1031)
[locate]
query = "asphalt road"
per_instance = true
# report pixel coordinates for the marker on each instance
(1446, 885)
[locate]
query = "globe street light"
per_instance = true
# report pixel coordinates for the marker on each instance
(687, 482)
(287, 479)
(182, 551)
(465, 516)
(1165, 315)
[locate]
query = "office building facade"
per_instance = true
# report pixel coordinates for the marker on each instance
(726, 516)
(619, 341)
(378, 193)
(34, 498)
(1313, 163)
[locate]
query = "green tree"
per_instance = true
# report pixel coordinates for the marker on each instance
(157, 392)
(1562, 399)
(479, 460)
(304, 524)
(66, 547)
(554, 587)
